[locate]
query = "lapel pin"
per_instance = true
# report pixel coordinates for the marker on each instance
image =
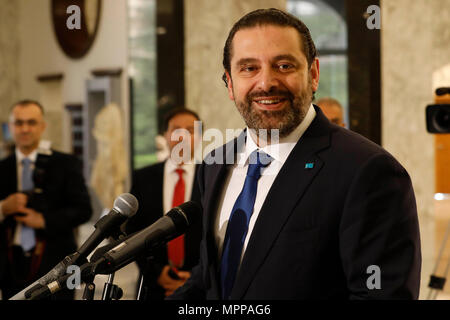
(309, 165)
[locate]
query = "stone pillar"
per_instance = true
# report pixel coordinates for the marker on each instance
(9, 56)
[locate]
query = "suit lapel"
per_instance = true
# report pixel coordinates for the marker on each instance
(217, 173)
(289, 186)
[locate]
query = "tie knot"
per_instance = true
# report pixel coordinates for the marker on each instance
(26, 162)
(257, 160)
(179, 171)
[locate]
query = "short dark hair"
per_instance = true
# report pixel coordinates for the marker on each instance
(176, 111)
(26, 102)
(270, 16)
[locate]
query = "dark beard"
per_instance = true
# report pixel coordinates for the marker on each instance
(285, 120)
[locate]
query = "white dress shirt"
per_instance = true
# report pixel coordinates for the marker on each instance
(235, 179)
(171, 179)
(19, 157)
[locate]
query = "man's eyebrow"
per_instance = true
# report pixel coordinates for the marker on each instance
(288, 57)
(243, 61)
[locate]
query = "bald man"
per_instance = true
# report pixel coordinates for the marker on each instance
(333, 110)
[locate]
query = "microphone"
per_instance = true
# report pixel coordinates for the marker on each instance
(166, 228)
(100, 251)
(125, 206)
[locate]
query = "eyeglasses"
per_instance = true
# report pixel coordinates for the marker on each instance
(30, 123)
(442, 91)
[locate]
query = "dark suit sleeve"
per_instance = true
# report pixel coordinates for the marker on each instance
(379, 232)
(74, 206)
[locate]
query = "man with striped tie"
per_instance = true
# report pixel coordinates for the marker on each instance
(43, 197)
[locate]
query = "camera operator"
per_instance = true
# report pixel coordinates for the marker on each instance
(43, 197)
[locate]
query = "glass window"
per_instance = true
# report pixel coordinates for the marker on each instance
(329, 32)
(143, 87)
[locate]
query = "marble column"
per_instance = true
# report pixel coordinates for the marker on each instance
(9, 56)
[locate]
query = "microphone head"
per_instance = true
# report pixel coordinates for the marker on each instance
(185, 215)
(126, 204)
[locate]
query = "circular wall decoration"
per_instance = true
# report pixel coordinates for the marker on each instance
(75, 23)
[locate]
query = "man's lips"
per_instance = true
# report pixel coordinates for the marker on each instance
(270, 103)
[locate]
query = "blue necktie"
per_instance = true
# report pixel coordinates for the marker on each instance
(27, 239)
(238, 223)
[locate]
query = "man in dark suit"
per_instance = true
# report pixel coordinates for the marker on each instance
(306, 210)
(160, 187)
(43, 197)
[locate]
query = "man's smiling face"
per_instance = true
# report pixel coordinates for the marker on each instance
(270, 80)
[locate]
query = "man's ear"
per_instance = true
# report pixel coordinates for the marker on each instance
(229, 85)
(315, 74)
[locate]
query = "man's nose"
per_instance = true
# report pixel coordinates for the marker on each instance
(25, 127)
(267, 79)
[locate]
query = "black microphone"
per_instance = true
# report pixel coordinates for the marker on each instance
(166, 228)
(125, 206)
(100, 251)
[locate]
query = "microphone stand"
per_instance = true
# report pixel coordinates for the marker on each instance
(437, 283)
(143, 289)
(110, 290)
(89, 290)
(141, 295)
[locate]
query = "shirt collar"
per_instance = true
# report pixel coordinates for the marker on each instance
(281, 150)
(172, 165)
(32, 156)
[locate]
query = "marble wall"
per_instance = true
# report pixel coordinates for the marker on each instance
(9, 58)
(41, 54)
(415, 37)
(207, 24)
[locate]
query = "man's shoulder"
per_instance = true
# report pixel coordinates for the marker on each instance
(60, 154)
(353, 147)
(152, 169)
(63, 157)
(354, 140)
(7, 161)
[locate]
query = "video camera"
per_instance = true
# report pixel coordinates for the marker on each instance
(438, 115)
(36, 197)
